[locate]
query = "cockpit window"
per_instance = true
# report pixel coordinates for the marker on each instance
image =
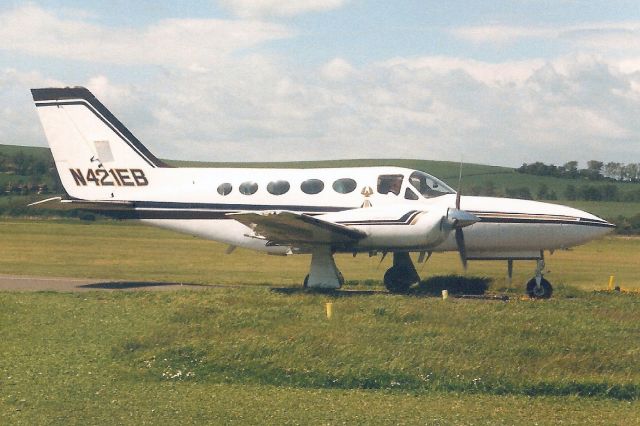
(389, 183)
(429, 186)
(410, 195)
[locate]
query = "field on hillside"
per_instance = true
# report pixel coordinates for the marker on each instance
(127, 251)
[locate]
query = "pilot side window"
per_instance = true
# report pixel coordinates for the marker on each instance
(390, 183)
(248, 188)
(344, 185)
(410, 195)
(278, 187)
(224, 188)
(312, 186)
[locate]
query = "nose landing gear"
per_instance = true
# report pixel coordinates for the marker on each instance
(538, 287)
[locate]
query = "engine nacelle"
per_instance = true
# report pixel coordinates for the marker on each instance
(394, 227)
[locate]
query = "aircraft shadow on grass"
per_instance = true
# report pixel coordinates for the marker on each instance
(456, 286)
(126, 285)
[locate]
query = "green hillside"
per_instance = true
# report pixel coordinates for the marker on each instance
(477, 179)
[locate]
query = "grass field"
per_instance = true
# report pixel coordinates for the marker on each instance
(123, 251)
(252, 355)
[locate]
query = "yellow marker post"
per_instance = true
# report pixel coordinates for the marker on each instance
(611, 281)
(329, 308)
(445, 294)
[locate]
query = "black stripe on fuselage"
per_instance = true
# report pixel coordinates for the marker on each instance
(81, 96)
(406, 219)
(528, 218)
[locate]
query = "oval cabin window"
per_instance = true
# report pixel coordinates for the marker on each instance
(248, 188)
(312, 186)
(344, 185)
(224, 188)
(278, 187)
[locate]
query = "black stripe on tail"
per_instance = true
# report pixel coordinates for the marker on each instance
(82, 96)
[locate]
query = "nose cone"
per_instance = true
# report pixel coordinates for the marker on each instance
(535, 223)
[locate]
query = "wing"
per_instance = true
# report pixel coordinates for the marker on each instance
(288, 228)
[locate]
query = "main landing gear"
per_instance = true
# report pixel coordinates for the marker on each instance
(402, 274)
(323, 273)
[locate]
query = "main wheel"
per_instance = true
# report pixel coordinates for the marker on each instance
(543, 291)
(397, 280)
(305, 283)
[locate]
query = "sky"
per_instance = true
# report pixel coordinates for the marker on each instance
(499, 82)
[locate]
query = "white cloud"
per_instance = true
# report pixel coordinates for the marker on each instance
(595, 36)
(337, 69)
(274, 8)
(436, 108)
(234, 106)
(170, 42)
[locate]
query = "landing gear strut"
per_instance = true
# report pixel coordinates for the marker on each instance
(402, 274)
(538, 287)
(323, 273)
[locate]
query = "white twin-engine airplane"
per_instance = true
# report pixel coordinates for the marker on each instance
(104, 168)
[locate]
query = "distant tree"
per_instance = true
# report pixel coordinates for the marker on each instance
(594, 169)
(21, 163)
(589, 193)
(543, 192)
(570, 192)
(609, 192)
(571, 169)
(613, 170)
(632, 172)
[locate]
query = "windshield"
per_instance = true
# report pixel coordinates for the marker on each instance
(429, 186)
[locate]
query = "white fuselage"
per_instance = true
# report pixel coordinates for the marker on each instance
(187, 200)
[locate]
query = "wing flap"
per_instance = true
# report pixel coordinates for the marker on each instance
(288, 228)
(59, 203)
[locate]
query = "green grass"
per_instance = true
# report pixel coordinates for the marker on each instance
(253, 355)
(128, 251)
(256, 356)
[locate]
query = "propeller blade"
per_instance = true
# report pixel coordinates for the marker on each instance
(461, 247)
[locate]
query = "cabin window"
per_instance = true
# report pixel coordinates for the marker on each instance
(224, 188)
(390, 184)
(248, 188)
(278, 187)
(344, 185)
(312, 186)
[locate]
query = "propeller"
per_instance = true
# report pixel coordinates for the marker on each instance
(458, 219)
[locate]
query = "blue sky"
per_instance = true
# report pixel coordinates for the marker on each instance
(499, 82)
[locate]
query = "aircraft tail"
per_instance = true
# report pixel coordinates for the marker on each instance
(96, 156)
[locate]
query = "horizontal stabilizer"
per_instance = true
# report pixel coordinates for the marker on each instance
(59, 203)
(288, 228)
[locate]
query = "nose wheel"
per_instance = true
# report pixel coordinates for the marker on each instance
(538, 287)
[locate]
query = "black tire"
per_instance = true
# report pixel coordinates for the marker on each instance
(544, 292)
(397, 280)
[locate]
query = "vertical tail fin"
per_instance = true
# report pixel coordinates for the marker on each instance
(94, 152)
